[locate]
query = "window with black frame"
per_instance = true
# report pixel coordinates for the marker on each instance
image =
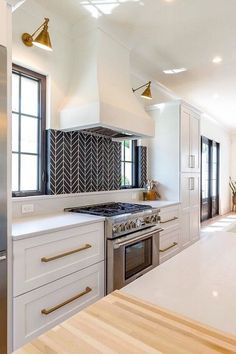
(28, 129)
(128, 163)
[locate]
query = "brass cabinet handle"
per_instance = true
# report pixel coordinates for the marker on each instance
(52, 309)
(168, 248)
(174, 218)
(191, 183)
(53, 258)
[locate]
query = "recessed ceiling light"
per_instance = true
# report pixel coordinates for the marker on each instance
(174, 71)
(217, 60)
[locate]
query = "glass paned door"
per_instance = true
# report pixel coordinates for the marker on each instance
(209, 179)
(215, 179)
(205, 193)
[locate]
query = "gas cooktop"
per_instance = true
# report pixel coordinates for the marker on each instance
(110, 209)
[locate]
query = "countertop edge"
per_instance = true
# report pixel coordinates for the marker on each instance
(56, 229)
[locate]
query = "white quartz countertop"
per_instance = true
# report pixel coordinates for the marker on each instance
(37, 225)
(158, 203)
(41, 224)
(199, 282)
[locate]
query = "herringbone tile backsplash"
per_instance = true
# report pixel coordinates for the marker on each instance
(82, 162)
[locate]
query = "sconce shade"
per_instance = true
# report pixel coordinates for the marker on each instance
(43, 40)
(147, 92)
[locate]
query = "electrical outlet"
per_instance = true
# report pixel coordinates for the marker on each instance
(27, 208)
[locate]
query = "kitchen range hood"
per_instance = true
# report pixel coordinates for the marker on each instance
(100, 97)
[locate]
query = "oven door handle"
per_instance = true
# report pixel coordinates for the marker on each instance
(138, 238)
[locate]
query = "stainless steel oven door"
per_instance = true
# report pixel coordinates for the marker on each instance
(131, 256)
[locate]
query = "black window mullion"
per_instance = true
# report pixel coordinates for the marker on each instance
(41, 81)
(19, 146)
(39, 134)
(131, 162)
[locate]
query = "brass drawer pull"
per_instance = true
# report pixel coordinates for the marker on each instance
(168, 248)
(174, 218)
(53, 258)
(52, 309)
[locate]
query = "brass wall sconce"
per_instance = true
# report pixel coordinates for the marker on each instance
(42, 40)
(147, 92)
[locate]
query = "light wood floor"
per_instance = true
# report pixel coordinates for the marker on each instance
(219, 223)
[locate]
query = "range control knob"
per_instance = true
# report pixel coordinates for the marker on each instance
(115, 228)
(122, 227)
(138, 222)
(148, 220)
(128, 225)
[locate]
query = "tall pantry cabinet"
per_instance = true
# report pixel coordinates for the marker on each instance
(174, 161)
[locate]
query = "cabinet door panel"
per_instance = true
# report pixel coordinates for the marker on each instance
(195, 223)
(185, 139)
(185, 229)
(185, 191)
(194, 190)
(195, 143)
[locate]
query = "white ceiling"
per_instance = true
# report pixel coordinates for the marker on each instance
(166, 34)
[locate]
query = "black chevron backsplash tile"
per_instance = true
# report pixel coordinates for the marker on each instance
(142, 166)
(82, 162)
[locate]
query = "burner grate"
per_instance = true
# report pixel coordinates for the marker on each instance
(110, 209)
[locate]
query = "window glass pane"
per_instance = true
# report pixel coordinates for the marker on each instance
(128, 150)
(205, 170)
(15, 169)
(214, 188)
(15, 132)
(214, 153)
(28, 178)
(128, 174)
(122, 174)
(29, 96)
(29, 134)
(15, 92)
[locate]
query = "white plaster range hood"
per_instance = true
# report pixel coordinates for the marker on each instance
(100, 95)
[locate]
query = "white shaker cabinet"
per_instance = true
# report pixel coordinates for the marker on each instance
(55, 275)
(170, 237)
(190, 140)
(190, 208)
(174, 161)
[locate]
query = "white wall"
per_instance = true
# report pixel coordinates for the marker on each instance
(54, 64)
(212, 130)
(233, 159)
(57, 65)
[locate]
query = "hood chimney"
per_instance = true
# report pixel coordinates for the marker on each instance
(100, 97)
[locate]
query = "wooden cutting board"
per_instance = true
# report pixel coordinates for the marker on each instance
(123, 324)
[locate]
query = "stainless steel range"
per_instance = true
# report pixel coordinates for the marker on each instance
(132, 240)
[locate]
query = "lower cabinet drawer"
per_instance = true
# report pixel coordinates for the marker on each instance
(169, 244)
(39, 310)
(46, 258)
(169, 217)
